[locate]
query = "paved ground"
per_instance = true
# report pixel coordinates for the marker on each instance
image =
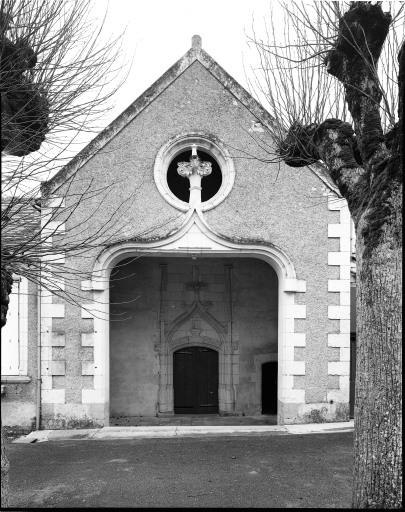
(266, 470)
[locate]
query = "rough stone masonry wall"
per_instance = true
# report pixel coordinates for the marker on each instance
(269, 203)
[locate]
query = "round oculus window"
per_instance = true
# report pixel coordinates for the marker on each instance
(193, 171)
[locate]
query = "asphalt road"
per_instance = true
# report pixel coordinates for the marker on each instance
(284, 471)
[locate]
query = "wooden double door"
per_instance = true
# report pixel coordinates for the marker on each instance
(195, 381)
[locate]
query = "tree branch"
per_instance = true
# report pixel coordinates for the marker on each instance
(362, 32)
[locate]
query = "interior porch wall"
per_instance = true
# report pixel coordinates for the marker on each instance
(135, 327)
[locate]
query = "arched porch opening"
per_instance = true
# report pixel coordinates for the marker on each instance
(195, 239)
(161, 304)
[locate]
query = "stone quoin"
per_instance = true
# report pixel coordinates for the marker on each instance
(225, 289)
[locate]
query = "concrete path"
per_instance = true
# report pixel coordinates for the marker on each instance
(182, 431)
(272, 471)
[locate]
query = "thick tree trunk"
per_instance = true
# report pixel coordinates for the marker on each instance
(378, 402)
(4, 471)
(6, 285)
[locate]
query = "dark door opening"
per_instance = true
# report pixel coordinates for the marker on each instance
(195, 381)
(269, 387)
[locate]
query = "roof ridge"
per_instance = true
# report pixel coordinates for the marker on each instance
(195, 53)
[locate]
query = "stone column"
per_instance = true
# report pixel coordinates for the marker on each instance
(194, 170)
(165, 388)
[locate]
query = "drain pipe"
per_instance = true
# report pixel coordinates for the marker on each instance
(39, 344)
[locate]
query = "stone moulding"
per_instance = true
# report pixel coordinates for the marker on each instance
(183, 142)
(196, 238)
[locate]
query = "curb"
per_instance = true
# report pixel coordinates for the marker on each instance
(40, 436)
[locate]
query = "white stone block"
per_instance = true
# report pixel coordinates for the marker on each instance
(344, 326)
(53, 396)
(46, 353)
(87, 368)
(344, 382)
(295, 285)
(338, 368)
(54, 259)
(339, 258)
(46, 382)
(338, 285)
(295, 311)
(46, 338)
(99, 379)
(89, 310)
(53, 228)
(286, 355)
(336, 230)
(338, 312)
(339, 340)
(86, 285)
(95, 284)
(288, 325)
(87, 339)
(345, 298)
(335, 202)
(295, 367)
(345, 217)
(345, 244)
(53, 282)
(46, 370)
(55, 202)
(345, 354)
(53, 310)
(296, 339)
(46, 215)
(344, 272)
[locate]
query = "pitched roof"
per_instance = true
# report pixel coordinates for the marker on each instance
(195, 53)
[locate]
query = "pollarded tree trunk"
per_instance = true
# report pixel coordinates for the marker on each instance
(374, 197)
(4, 472)
(378, 402)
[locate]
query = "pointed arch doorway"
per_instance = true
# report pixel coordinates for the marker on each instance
(195, 380)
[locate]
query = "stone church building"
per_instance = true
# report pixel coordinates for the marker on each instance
(224, 288)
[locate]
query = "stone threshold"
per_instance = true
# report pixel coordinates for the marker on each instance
(192, 419)
(183, 431)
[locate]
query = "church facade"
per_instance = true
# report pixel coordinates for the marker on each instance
(221, 283)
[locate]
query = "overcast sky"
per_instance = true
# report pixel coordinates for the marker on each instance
(158, 33)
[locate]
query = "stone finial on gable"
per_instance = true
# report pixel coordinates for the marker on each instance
(196, 42)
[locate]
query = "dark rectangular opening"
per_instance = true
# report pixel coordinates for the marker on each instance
(269, 387)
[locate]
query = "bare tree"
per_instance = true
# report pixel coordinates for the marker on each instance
(57, 74)
(330, 80)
